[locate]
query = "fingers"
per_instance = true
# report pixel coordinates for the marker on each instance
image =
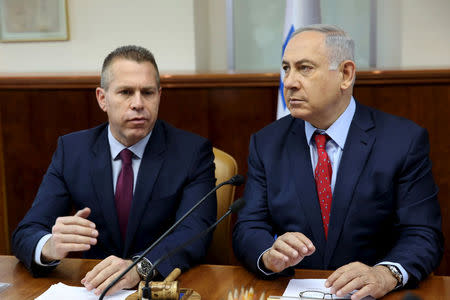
(293, 244)
(106, 271)
(75, 229)
(83, 213)
(275, 261)
(344, 275)
(347, 278)
(73, 239)
(99, 274)
(121, 284)
(374, 281)
(364, 292)
(71, 233)
(78, 219)
(288, 250)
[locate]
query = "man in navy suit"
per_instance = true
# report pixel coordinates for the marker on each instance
(375, 218)
(167, 171)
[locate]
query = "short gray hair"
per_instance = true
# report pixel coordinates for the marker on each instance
(130, 52)
(340, 45)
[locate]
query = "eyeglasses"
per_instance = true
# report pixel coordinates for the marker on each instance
(310, 295)
(315, 295)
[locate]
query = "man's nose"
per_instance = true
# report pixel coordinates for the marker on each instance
(290, 81)
(137, 101)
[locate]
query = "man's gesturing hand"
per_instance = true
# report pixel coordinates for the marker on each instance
(72, 233)
(288, 250)
(374, 281)
(106, 271)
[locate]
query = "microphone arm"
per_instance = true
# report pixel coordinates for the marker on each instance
(235, 207)
(235, 180)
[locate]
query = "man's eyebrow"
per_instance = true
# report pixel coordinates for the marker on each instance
(151, 87)
(127, 87)
(299, 62)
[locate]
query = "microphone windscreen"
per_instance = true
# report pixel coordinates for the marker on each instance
(237, 205)
(237, 180)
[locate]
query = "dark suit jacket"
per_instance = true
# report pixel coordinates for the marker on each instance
(384, 205)
(176, 170)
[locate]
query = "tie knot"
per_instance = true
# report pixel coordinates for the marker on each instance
(321, 139)
(125, 156)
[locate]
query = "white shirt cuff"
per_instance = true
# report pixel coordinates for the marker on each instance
(399, 266)
(260, 263)
(38, 252)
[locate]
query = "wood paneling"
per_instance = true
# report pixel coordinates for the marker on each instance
(226, 108)
(4, 225)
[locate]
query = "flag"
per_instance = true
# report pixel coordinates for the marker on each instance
(298, 13)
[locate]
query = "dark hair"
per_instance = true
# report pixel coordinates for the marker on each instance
(130, 52)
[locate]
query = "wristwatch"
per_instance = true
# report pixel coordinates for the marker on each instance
(143, 268)
(396, 273)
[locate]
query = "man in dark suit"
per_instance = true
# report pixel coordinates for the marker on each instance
(338, 185)
(129, 180)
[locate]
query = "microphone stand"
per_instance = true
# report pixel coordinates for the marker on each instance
(146, 290)
(235, 180)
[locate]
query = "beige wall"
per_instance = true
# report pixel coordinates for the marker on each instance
(210, 35)
(425, 33)
(98, 26)
(190, 35)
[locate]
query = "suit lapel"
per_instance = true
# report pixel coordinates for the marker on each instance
(101, 171)
(355, 154)
(151, 163)
(301, 170)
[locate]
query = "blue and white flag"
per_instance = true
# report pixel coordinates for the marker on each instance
(298, 13)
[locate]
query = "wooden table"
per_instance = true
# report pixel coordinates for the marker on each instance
(211, 281)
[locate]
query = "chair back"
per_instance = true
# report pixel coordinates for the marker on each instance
(220, 251)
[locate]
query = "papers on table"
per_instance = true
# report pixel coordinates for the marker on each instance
(296, 286)
(61, 291)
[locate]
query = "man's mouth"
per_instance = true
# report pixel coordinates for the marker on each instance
(137, 121)
(293, 100)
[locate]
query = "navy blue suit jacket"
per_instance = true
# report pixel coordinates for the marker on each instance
(384, 205)
(176, 170)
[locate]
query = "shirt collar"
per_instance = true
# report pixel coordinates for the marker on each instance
(339, 129)
(116, 146)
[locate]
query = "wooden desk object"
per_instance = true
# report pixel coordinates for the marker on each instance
(212, 282)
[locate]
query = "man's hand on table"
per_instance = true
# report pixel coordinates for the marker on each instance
(106, 271)
(375, 281)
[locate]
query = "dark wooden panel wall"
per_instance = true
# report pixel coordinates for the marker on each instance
(226, 108)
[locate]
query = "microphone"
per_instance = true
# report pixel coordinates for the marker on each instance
(411, 296)
(234, 207)
(236, 180)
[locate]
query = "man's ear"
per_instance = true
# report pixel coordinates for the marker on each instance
(101, 98)
(348, 72)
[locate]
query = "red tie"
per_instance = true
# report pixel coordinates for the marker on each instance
(124, 190)
(322, 175)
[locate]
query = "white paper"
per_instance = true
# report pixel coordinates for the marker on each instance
(296, 286)
(61, 291)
